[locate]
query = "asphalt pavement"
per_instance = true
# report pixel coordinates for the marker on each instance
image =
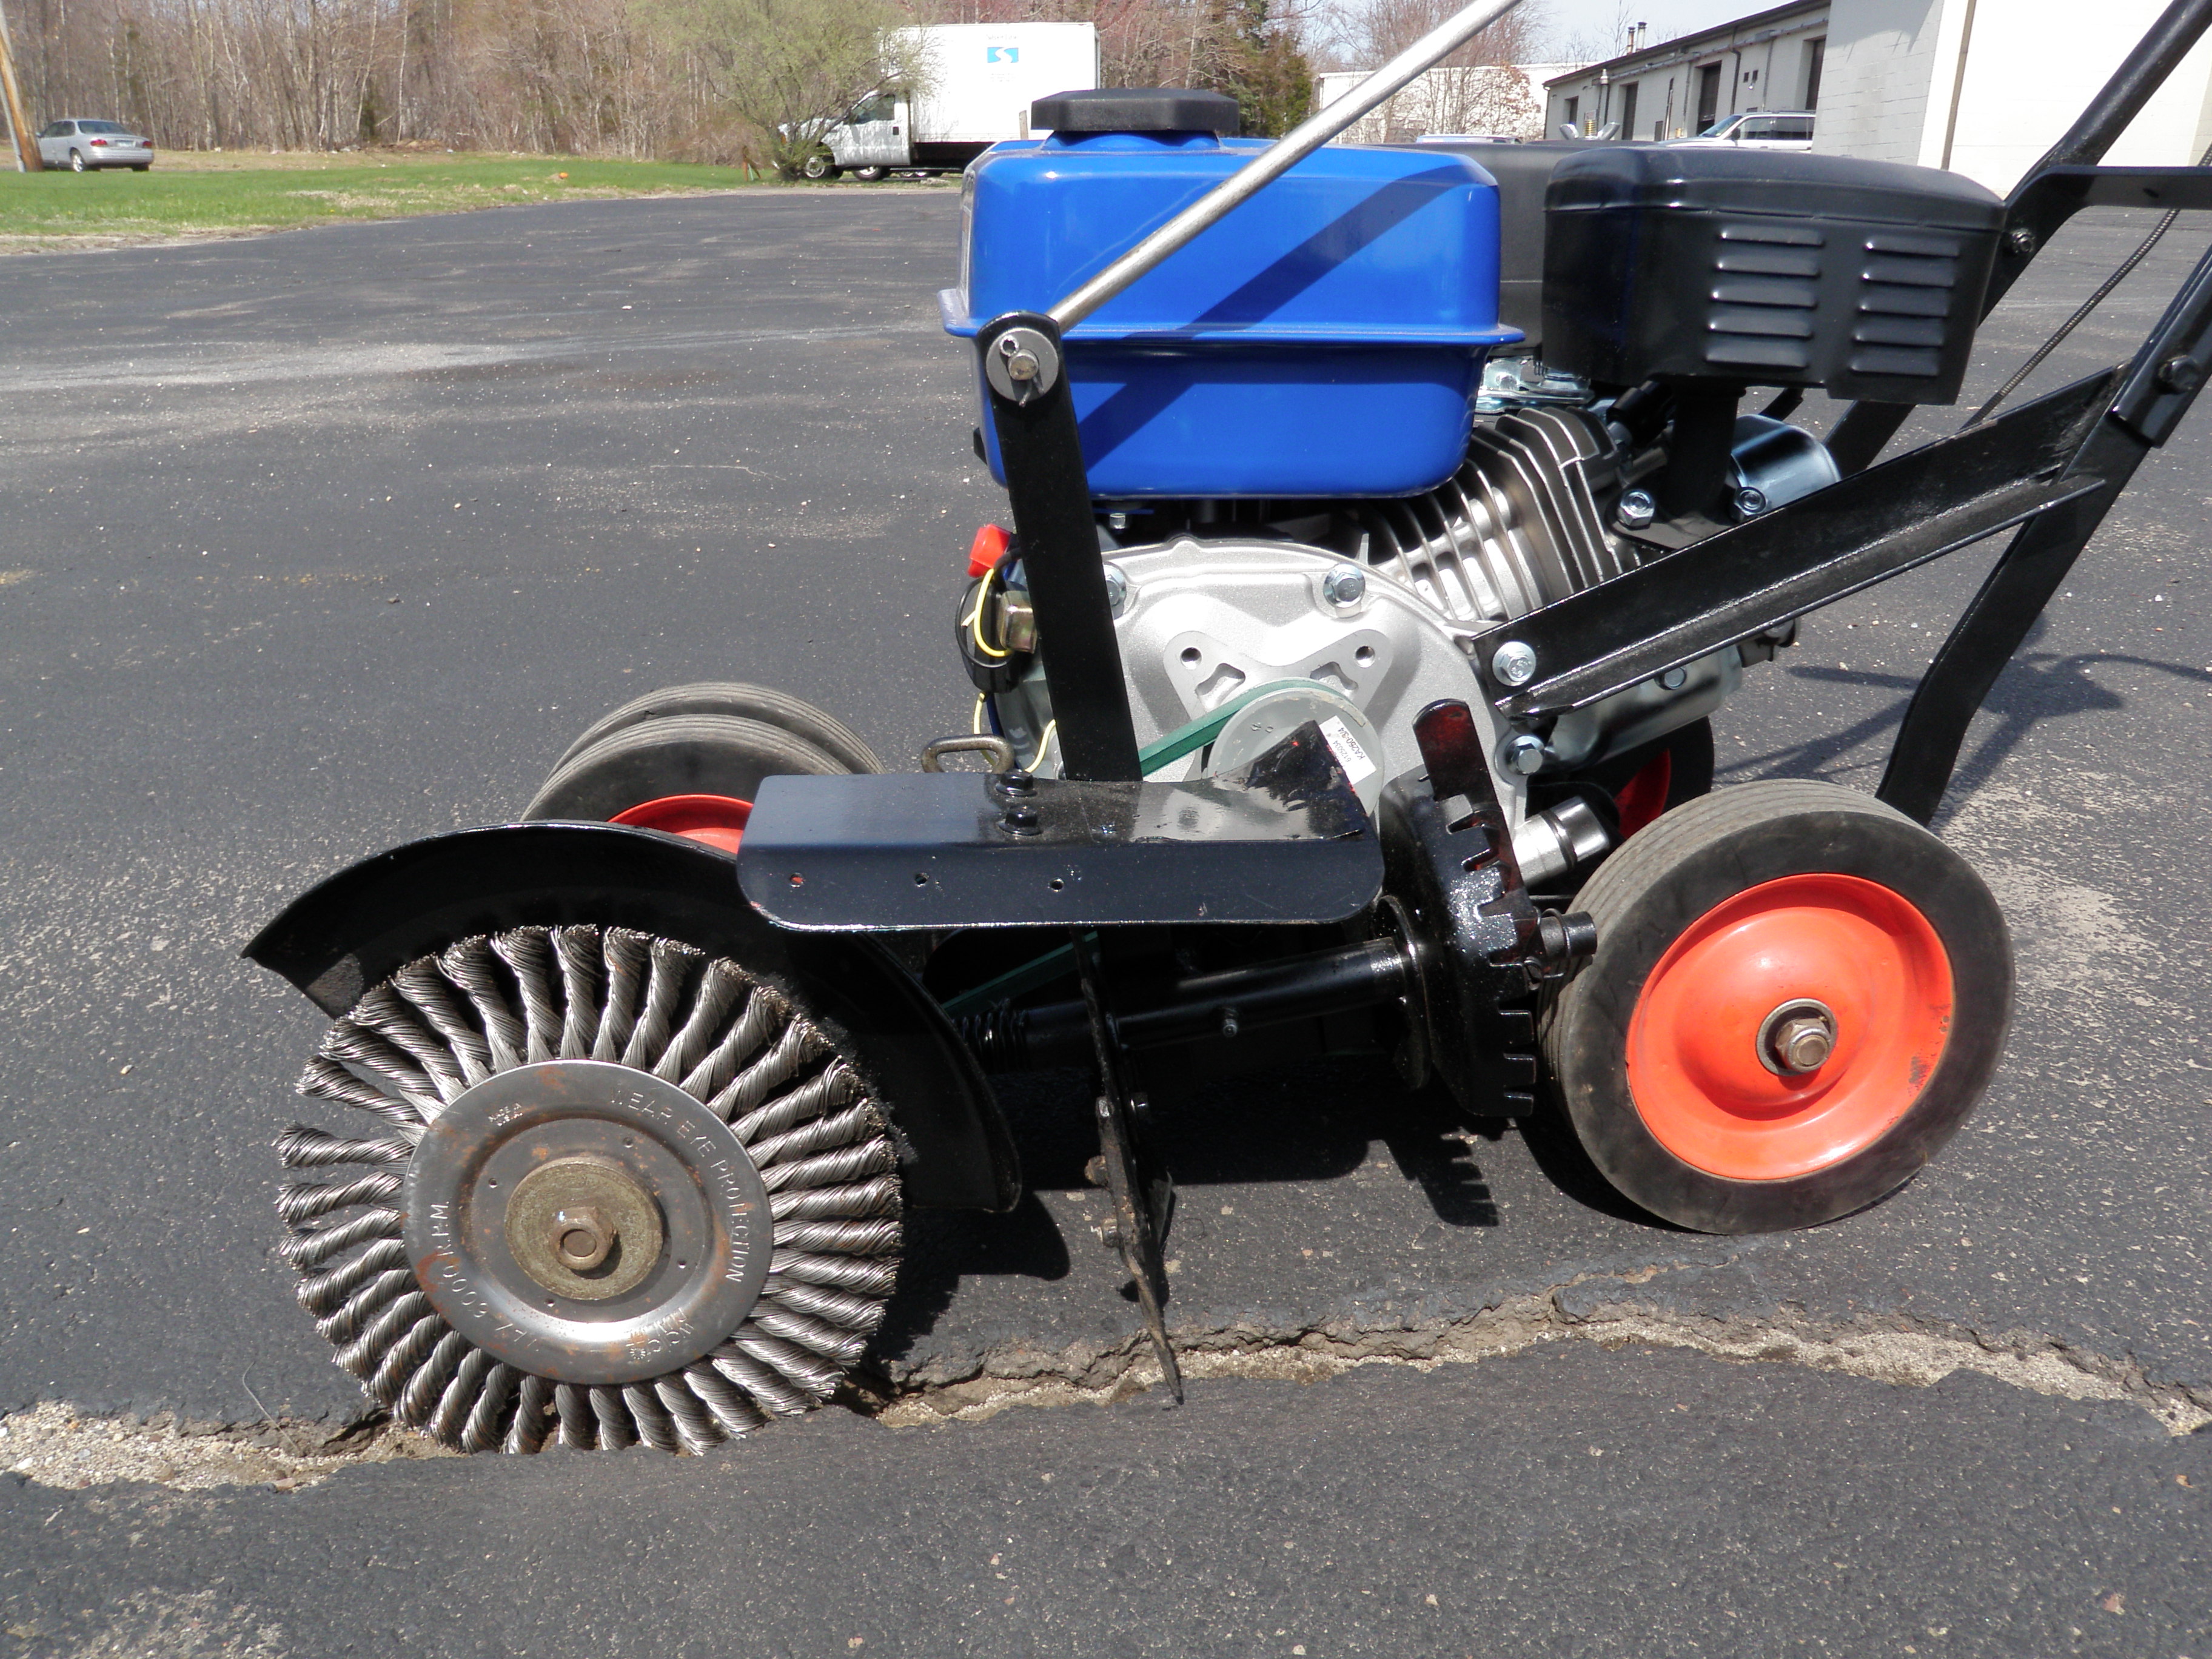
(319, 542)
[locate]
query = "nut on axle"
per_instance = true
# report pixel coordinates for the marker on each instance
(1797, 1038)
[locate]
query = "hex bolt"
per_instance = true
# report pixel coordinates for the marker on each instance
(1017, 783)
(1229, 1023)
(1797, 1038)
(1514, 662)
(1750, 502)
(1020, 819)
(1637, 509)
(1804, 1045)
(1117, 589)
(2180, 374)
(581, 1236)
(1343, 586)
(2019, 242)
(1525, 755)
(1675, 680)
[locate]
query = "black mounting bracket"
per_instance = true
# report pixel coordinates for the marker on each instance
(1142, 1195)
(1024, 371)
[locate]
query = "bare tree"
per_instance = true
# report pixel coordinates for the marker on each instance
(1375, 31)
(1594, 43)
(1476, 89)
(791, 69)
(720, 80)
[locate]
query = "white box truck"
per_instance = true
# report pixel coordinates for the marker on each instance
(975, 84)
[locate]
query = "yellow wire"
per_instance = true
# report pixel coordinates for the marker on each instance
(974, 619)
(1045, 742)
(975, 726)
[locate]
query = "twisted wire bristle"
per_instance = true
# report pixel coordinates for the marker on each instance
(443, 1023)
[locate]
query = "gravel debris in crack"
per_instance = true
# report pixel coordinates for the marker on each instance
(1902, 1357)
(54, 1446)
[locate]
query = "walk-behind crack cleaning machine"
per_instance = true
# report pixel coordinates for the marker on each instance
(1342, 684)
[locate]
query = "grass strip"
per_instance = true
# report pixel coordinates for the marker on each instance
(188, 196)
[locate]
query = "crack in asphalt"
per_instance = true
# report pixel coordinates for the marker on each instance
(55, 1446)
(1903, 1355)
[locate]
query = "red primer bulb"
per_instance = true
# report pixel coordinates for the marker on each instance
(987, 549)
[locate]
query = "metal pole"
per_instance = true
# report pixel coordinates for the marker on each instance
(19, 128)
(1278, 158)
(1957, 83)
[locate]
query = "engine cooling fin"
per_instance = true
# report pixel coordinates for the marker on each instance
(444, 1024)
(1520, 525)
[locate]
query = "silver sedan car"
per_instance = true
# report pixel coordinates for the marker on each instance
(82, 146)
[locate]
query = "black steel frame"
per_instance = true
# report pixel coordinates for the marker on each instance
(2049, 471)
(2052, 468)
(1465, 948)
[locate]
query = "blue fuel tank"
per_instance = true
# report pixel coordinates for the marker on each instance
(1323, 340)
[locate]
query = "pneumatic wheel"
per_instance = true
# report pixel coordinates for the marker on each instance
(819, 166)
(76, 160)
(870, 175)
(687, 774)
(596, 1188)
(1798, 996)
(744, 702)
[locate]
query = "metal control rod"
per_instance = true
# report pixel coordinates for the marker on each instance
(1216, 1005)
(1278, 158)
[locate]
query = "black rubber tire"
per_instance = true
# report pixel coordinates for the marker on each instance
(1664, 881)
(140, 167)
(743, 701)
(77, 162)
(675, 755)
(870, 175)
(820, 167)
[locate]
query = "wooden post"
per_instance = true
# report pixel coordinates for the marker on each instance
(19, 127)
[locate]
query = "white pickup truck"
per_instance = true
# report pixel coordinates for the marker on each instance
(980, 80)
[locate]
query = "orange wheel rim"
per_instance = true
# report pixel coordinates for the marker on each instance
(1715, 1097)
(717, 820)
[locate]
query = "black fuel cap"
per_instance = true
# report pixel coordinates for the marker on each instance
(1136, 109)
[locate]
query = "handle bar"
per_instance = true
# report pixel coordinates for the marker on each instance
(1278, 158)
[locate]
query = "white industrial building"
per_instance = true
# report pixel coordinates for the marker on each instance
(1982, 86)
(1498, 101)
(1772, 59)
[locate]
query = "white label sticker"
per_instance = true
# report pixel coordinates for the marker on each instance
(1345, 747)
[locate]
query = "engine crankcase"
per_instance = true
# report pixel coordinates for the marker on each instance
(1203, 621)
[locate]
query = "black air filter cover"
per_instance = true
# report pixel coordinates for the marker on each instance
(1766, 268)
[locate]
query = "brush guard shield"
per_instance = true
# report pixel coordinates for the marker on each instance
(348, 933)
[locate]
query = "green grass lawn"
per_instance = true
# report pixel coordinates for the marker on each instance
(187, 194)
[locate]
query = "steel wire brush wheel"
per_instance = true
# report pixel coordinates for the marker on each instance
(612, 1189)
